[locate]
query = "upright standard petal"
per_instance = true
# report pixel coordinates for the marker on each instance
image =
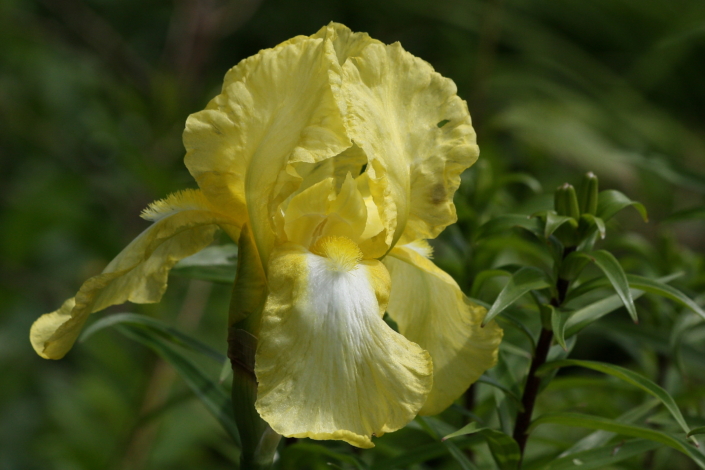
(345, 42)
(416, 133)
(184, 223)
(431, 310)
(327, 365)
(276, 109)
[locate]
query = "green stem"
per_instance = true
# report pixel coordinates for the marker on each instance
(259, 442)
(533, 382)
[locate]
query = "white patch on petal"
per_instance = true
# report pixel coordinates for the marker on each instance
(327, 365)
(341, 298)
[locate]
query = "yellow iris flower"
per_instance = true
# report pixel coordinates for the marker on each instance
(337, 156)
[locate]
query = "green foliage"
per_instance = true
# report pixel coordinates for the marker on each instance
(93, 100)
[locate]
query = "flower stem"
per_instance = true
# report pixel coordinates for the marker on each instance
(533, 382)
(531, 389)
(259, 442)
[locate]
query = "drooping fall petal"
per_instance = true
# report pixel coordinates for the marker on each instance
(327, 365)
(431, 310)
(184, 223)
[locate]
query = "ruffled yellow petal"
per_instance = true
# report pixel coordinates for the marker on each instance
(276, 108)
(416, 133)
(184, 224)
(327, 365)
(346, 43)
(431, 310)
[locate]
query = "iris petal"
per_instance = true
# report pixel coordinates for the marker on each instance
(431, 310)
(327, 365)
(184, 224)
(393, 105)
(276, 109)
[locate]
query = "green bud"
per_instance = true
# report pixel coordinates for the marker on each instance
(587, 194)
(566, 201)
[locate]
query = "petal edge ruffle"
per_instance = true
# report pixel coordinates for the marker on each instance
(431, 310)
(183, 225)
(327, 365)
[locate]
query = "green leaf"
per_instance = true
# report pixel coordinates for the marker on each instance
(419, 454)
(508, 320)
(554, 221)
(483, 276)
(428, 425)
(155, 328)
(558, 321)
(521, 282)
(486, 379)
(215, 264)
(610, 202)
(590, 313)
(586, 286)
(600, 438)
(504, 448)
(694, 431)
(592, 222)
(504, 223)
(601, 457)
(310, 449)
(210, 393)
(656, 287)
(630, 377)
(606, 424)
(614, 272)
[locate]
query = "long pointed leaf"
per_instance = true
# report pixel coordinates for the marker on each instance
(458, 455)
(610, 202)
(614, 272)
(504, 448)
(596, 310)
(210, 393)
(558, 322)
(554, 221)
(630, 377)
(510, 321)
(486, 379)
(483, 276)
(598, 422)
(521, 282)
(656, 287)
(602, 457)
(600, 438)
(155, 327)
(420, 454)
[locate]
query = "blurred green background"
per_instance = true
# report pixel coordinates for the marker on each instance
(93, 99)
